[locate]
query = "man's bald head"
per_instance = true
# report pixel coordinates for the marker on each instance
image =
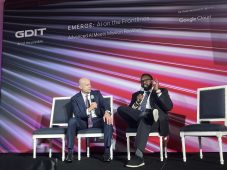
(83, 80)
(85, 85)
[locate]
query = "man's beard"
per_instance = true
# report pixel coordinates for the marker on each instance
(147, 88)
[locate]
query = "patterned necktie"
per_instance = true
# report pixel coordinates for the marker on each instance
(144, 102)
(87, 103)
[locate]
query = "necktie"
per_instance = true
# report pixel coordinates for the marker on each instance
(144, 102)
(87, 103)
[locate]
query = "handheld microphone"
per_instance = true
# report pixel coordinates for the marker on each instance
(141, 92)
(92, 98)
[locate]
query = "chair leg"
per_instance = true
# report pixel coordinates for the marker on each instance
(50, 148)
(165, 146)
(128, 147)
(183, 147)
(63, 148)
(88, 147)
(111, 151)
(220, 149)
(200, 147)
(161, 147)
(79, 148)
(34, 147)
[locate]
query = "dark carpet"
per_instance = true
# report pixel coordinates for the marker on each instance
(152, 162)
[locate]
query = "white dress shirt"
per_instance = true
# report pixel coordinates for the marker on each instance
(89, 99)
(148, 105)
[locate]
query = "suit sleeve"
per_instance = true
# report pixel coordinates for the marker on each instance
(103, 104)
(133, 99)
(164, 101)
(75, 109)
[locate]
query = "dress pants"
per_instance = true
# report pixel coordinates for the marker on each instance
(76, 124)
(140, 120)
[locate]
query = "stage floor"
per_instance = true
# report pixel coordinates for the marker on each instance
(152, 162)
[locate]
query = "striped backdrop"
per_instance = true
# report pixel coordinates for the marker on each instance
(183, 44)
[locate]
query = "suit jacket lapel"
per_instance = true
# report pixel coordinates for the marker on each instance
(152, 98)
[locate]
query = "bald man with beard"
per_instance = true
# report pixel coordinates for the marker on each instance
(90, 111)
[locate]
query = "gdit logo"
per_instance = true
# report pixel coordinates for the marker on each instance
(30, 33)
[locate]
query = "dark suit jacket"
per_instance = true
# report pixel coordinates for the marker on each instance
(79, 108)
(163, 103)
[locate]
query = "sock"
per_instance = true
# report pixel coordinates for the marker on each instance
(139, 153)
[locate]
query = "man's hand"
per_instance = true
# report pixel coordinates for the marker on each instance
(155, 84)
(139, 98)
(92, 106)
(107, 118)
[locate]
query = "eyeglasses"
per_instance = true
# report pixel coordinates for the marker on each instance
(144, 80)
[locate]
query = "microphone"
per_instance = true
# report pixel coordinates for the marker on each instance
(141, 92)
(92, 98)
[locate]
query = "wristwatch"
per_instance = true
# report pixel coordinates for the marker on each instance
(108, 111)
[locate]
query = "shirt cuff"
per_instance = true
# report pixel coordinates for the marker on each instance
(158, 92)
(88, 113)
(136, 105)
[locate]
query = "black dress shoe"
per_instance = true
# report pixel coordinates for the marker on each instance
(69, 157)
(106, 157)
(135, 162)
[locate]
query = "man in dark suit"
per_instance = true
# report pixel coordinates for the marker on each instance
(148, 106)
(90, 111)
